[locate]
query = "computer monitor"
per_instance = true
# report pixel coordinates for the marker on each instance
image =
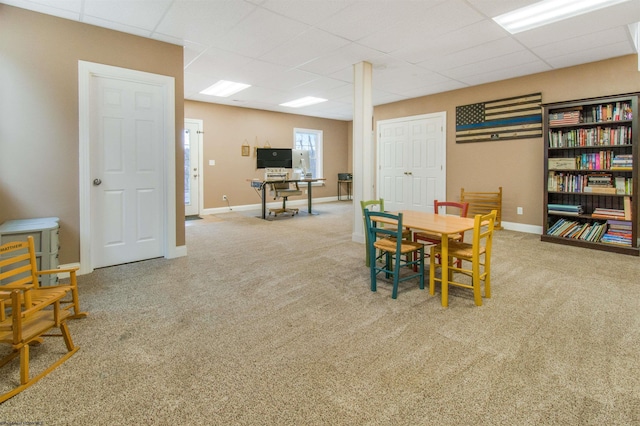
(301, 161)
(274, 157)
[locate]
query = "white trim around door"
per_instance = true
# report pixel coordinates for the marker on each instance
(87, 70)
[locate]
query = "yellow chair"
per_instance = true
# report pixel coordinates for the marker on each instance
(27, 323)
(284, 190)
(18, 267)
(393, 247)
(478, 253)
(376, 205)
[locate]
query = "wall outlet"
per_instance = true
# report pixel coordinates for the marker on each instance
(519, 210)
(224, 198)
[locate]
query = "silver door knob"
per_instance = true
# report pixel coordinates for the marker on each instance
(97, 182)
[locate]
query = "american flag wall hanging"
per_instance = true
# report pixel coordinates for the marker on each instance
(511, 118)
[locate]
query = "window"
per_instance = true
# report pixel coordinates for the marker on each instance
(310, 140)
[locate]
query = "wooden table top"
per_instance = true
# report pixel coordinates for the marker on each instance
(436, 223)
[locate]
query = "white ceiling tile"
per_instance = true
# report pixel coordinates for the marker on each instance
(217, 62)
(202, 21)
(254, 36)
(505, 73)
(493, 8)
(136, 14)
(591, 55)
(67, 9)
(343, 57)
(121, 27)
(305, 47)
(291, 78)
(511, 60)
(300, 10)
(483, 52)
(582, 42)
(445, 44)
(362, 18)
(421, 27)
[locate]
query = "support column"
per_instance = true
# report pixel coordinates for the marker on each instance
(363, 152)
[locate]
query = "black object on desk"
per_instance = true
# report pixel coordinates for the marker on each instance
(344, 179)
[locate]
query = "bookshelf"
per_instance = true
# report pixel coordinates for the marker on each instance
(591, 173)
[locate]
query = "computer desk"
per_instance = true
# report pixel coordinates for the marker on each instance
(265, 183)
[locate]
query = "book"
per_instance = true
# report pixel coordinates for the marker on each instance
(627, 208)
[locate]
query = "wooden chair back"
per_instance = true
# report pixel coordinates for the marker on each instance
(374, 205)
(484, 203)
(389, 239)
(461, 207)
(18, 267)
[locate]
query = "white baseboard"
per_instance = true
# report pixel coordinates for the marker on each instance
(179, 251)
(522, 227)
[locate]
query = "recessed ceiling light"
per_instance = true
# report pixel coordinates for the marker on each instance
(224, 88)
(548, 11)
(306, 101)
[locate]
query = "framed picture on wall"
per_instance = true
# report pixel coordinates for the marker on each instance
(246, 149)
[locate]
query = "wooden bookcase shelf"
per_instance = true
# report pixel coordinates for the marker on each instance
(591, 167)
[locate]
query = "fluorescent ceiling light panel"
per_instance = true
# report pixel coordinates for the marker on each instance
(224, 88)
(306, 101)
(548, 11)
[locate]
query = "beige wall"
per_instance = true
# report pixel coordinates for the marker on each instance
(39, 112)
(226, 128)
(516, 165)
(39, 124)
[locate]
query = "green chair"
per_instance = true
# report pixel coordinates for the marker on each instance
(389, 240)
(376, 205)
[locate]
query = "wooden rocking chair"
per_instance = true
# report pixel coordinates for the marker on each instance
(26, 324)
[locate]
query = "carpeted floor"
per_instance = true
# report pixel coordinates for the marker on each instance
(273, 323)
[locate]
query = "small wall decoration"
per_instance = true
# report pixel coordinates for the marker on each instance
(246, 149)
(519, 117)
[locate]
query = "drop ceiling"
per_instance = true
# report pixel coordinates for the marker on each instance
(288, 49)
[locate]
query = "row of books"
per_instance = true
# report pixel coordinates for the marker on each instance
(593, 114)
(606, 213)
(598, 212)
(601, 160)
(565, 209)
(589, 183)
(607, 112)
(610, 232)
(596, 136)
(622, 162)
(578, 230)
(618, 232)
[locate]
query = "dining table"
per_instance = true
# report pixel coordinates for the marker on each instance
(443, 224)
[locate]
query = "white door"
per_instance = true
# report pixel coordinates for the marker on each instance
(412, 162)
(192, 166)
(127, 205)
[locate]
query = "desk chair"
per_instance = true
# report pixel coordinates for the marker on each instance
(284, 190)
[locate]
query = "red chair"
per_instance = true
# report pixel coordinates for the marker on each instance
(430, 239)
